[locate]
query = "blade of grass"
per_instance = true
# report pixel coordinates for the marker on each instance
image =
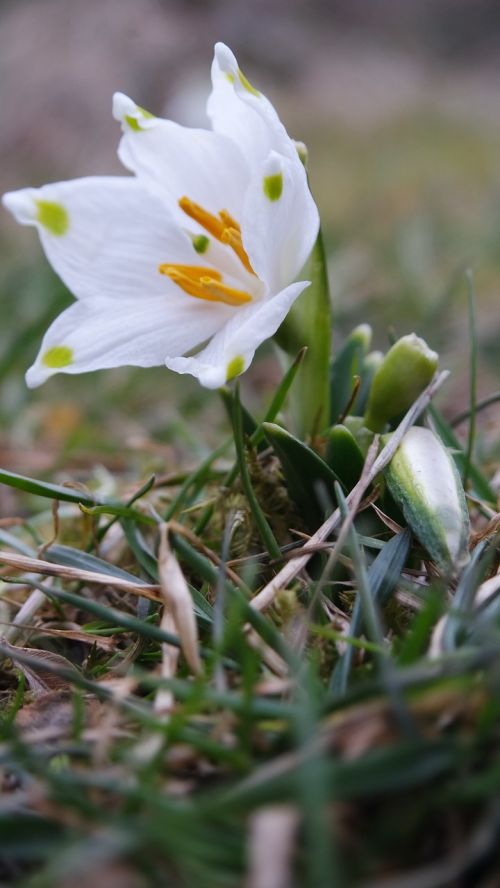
(480, 484)
(471, 302)
(50, 491)
(373, 624)
(259, 518)
(382, 578)
(257, 435)
(196, 479)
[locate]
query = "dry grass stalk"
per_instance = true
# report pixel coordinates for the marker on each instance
(271, 841)
(35, 565)
(205, 550)
(100, 641)
(36, 599)
(178, 601)
(164, 699)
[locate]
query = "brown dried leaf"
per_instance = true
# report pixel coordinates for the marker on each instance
(177, 598)
(43, 670)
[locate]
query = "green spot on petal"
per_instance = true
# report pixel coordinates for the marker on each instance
(248, 86)
(201, 243)
(230, 76)
(134, 123)
(235, 367)
(273, 186)
(58, 356)
(53, 216)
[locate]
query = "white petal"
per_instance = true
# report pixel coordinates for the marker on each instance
(93, 335)
(243, 114)
(177, 161)
(280, 221)
(105, 236)
(231, 350)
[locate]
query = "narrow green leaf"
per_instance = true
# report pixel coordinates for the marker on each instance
(119, 511)
(344, 456)
(260, 519)
(383, 576)
(471, 436)
(416, 640)
(459, 619)
(346, 365)
(258, 434)
(279, 397)
(50, 491)
(195, 481)
(145, 488)
(142, 552)
(9, 539)
(249, 425)
(309, 478)
(370, 364)
(480, 484)
(310, 323)
(84, 561)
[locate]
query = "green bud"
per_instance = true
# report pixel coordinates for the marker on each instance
(423, 480)
(406, 370)
(357, 428)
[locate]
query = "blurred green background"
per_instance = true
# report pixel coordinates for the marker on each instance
(399, 104)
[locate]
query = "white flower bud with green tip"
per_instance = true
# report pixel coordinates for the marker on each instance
(406, 370)
(424, 481)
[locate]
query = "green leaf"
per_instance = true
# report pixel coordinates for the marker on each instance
(309, 323)
(249, 425)
(416, 640)
(50, 491)
(383, 576)
(480, 484)
(344, 368)
(344, 456)
(258, 516)
(144, 556)
(309, 478)
(119, 511)
(370, 365)
(459, 621)
(84, 561)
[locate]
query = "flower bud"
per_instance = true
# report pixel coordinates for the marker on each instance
(406, 370)
(424, 482)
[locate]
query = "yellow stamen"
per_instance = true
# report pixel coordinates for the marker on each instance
(207, 220)
(228, 220)
(222, 293)
(224, 228)
(232, 237)
(195, 272)
(204, 283)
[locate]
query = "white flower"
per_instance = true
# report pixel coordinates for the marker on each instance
(201, 244)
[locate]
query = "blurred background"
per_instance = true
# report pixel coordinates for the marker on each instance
(399, 104)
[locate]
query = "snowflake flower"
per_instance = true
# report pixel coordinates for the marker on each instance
(196, 254)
